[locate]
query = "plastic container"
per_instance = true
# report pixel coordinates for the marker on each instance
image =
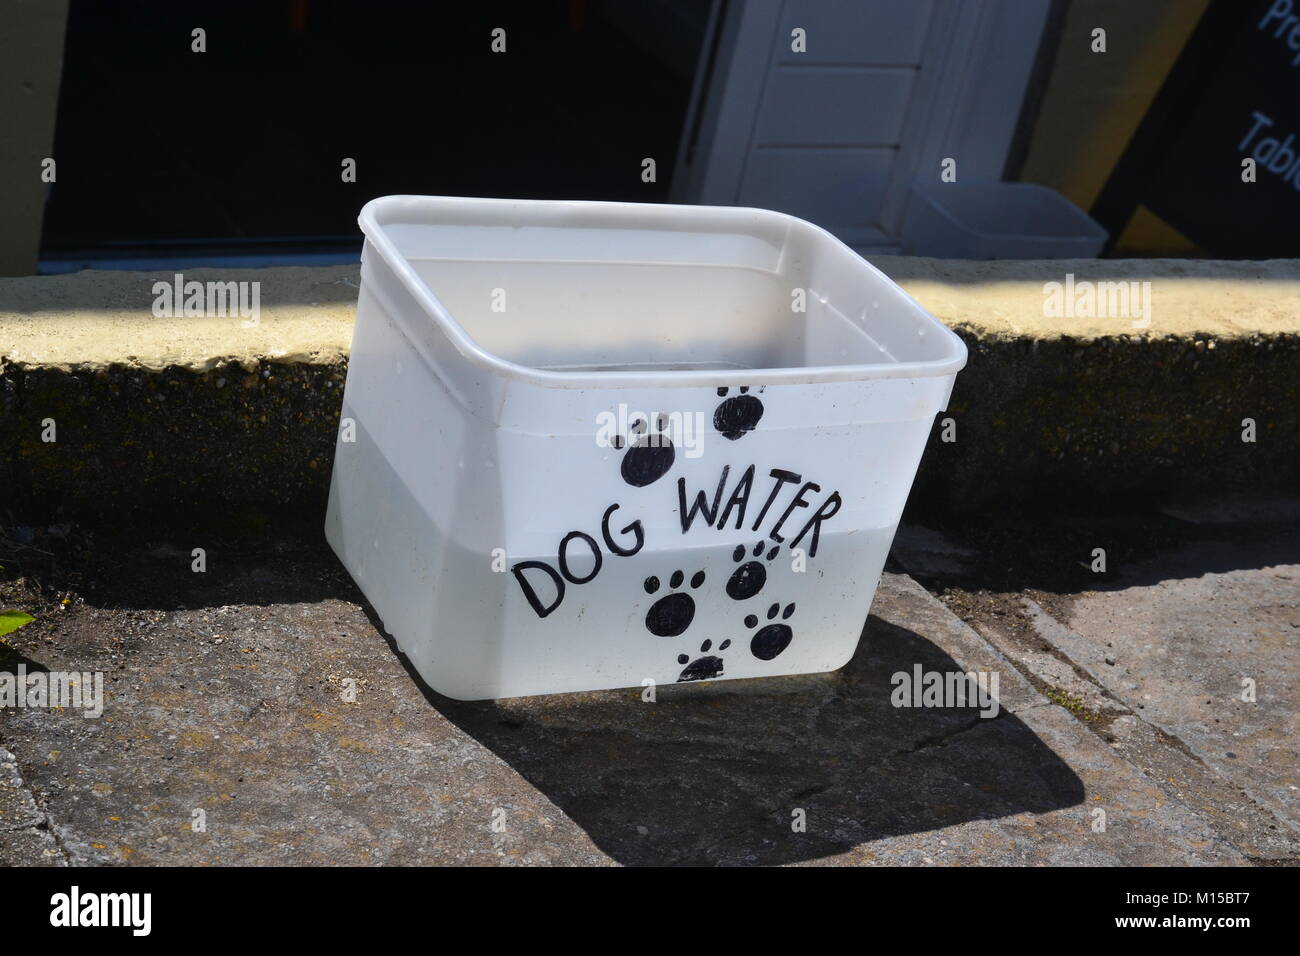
(991, 220)
(515, 522)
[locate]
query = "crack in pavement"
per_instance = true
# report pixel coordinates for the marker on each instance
(1047, 627)
(17, 798)
(938, 740)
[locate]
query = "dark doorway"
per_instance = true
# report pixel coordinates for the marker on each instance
(163, 151)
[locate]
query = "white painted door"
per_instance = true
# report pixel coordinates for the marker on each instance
(830, 109)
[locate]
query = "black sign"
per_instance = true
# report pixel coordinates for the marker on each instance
(1233, 96)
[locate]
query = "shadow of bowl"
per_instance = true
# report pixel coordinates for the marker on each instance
(725, 773)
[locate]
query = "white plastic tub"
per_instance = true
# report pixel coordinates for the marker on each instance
(491, 506)
(984, 220)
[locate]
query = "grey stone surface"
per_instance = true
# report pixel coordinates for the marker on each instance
(25, 837)
(1143, 825)
(1165, 760)
(1184, 648)
(1064, 656)
(238, 711)
(1149, 660)
(230, 700)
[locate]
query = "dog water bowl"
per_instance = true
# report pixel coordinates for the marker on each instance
(589, 445)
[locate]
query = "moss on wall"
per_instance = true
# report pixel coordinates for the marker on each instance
(1068, 421)
(1044, 421)
(170, 442)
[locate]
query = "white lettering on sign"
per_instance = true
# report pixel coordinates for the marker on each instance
(1284, 25)
(1278, 156)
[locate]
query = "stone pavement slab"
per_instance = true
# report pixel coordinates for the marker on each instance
(1212, 659)
(25, 838)
(233, 701)
(1151, 655)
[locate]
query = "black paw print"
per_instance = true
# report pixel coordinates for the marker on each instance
(738, 415)
(748, 579)
(671, 614)
(773, 638)
(702, 668)
(650, 455)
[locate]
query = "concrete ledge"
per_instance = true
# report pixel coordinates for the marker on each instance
(95, 320)
(1078, 408)
(1190, 298)
(178, 414)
